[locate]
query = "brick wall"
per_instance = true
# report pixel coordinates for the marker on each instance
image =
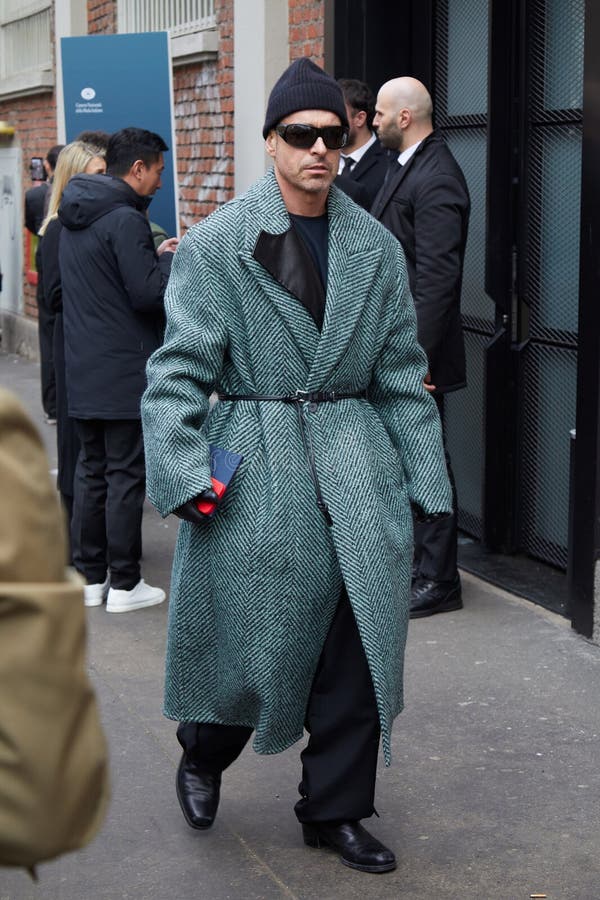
(102, 16)
(203, 104)
(306, 29)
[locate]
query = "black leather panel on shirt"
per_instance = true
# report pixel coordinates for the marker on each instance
(287, 259)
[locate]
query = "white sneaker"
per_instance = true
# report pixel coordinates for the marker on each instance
(139, 596)
(95, 594)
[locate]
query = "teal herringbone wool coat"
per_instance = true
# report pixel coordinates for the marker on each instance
(254, 589)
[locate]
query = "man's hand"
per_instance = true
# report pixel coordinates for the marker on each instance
(423, 518)
(168, 246)
(427, 383)
(190, 512)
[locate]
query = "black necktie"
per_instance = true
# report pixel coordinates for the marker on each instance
(393, 167)
(348, 163)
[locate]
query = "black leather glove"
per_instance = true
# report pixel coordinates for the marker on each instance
(423, 518)
(190, 512)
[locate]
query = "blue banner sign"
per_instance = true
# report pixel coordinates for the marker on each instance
(114, 81)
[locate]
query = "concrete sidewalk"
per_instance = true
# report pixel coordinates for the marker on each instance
(494, 791)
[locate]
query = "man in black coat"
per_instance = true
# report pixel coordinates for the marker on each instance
(363, 160)
(425, 203)
(113, 282)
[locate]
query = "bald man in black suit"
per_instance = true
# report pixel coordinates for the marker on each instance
(425, 203)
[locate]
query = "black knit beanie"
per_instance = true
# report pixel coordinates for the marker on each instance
(303, 85)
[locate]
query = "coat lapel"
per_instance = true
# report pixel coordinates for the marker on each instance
(268, 216)
(290, 264)
(363, 165)
(388, 188)
(368, 160)
(351, 270)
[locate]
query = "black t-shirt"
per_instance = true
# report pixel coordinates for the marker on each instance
(314, 231)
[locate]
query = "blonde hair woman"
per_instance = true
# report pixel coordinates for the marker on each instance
(73, 159)
(77, 157)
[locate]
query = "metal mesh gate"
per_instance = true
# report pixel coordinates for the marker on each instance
(550, 284)
(460, 108)
(546, 253)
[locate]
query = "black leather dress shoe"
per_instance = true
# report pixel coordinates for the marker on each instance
(198, 794)
(430, 597)
(356, 847)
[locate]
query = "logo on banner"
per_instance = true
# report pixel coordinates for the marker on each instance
(88, 94)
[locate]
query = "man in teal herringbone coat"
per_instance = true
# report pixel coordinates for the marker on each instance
(289, 606)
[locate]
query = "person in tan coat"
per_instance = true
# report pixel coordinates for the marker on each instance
(53, 757)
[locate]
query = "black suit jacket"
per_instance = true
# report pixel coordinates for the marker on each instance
(426, 205)
(355, 191)
(370, 170)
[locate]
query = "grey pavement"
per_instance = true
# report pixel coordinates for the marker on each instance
(493, 791)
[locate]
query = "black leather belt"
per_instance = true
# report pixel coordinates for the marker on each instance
(301, 399)
(297, 397)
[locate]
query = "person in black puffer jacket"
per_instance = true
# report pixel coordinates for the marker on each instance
(75, 158)
(113, 283)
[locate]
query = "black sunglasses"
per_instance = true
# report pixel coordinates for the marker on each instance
(304, 136)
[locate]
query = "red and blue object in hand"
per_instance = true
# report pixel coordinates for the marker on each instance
(223, 466)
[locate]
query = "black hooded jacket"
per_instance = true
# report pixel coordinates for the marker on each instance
(113, 285)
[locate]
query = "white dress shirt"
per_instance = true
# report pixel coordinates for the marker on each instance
(404, 157)
(356, 155)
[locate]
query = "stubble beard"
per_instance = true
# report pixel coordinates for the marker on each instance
(316, 185)
(391, 138)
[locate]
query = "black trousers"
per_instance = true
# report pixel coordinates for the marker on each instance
(67, 440)
(46, 340)
(339, 763)
(108, 499)
(436, 545)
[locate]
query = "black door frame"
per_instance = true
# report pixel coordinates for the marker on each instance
(584, 545)
(499, 513)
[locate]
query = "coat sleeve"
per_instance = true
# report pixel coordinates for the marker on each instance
(143, 273)
(181, 376)
(439, 209)
(50, 270)
(407, 410)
